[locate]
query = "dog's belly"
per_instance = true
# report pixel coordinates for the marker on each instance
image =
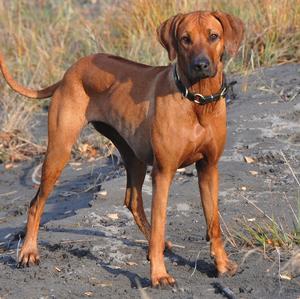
(142, 149)
(192, 159)
(141, 146)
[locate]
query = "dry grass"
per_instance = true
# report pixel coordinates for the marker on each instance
(272, 29)
(267, 231)
(267, 234)
(273, 239)
(41, 39)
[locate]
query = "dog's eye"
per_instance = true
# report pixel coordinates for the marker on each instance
(213, 37)
(186, 40)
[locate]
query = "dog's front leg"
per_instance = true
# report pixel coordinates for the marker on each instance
(161, 180)
(208, 184)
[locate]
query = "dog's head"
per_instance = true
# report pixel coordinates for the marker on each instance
(199, 39)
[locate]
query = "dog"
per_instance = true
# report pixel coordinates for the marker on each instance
(165, 116)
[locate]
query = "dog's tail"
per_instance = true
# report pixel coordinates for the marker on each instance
(27, 92)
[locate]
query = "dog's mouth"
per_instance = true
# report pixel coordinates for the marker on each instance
(195, 76)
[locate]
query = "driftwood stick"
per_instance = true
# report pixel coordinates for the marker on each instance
(173, 245)
(226, 291)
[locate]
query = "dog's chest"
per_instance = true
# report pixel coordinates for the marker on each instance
(206, 138)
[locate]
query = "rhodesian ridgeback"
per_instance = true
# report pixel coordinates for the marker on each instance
(165, 116)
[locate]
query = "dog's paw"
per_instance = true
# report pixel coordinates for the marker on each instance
(163, 281)
(229, 269)
(28, 257)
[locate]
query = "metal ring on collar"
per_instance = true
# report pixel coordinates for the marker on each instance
(186, 92)
(199, 95)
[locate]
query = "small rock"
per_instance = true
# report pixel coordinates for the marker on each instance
(88, 294)
(249, 160)
(102, 193)
(285, 275)
(253, 172)
(131, 263)
(289, 93)
(8, 165)
(251, 219)
(113, 216)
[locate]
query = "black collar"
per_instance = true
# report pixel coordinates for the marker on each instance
(197, 97)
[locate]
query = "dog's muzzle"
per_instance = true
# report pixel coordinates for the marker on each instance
(201, 68)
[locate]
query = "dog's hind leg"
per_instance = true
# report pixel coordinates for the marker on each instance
(65, 122)
(136, 171)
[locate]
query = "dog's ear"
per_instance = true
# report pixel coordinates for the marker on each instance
(166, 33)
(233, 29)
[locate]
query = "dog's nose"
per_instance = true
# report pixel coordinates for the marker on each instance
(201, 64)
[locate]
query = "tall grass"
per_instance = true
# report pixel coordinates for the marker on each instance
(272, 29)
(41, 39)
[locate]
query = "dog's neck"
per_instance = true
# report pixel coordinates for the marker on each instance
(205, 86)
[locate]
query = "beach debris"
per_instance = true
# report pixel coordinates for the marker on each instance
(253, 172)
(87, 150)
(249, 160)
(102, 193)
(8, 165)
(96, 282)
(7, 236)
(68, 212)
(131, 263)
(226, 291)
(285, 276)
(113, 216)
(251, 219)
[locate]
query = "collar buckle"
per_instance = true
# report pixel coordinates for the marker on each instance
(223, 92)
